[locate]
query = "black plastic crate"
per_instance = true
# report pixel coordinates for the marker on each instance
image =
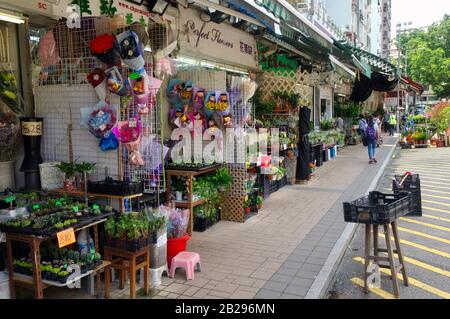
(378, 208)
(202, 224)
(412, 185)
(114, 187)
(132, 245)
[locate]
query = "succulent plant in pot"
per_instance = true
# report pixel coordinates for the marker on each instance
(259, 202)
(247, 207)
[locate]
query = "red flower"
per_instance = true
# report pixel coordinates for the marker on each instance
(103, 43)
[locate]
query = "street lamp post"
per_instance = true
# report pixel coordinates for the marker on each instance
(398, 84)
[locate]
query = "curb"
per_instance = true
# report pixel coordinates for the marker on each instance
(323, 279)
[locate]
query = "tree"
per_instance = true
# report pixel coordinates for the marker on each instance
(428, 54)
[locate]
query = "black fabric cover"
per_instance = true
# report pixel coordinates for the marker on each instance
(305, 119)
(362, 89)
(304, 158)
(304, 147)
(380, 82)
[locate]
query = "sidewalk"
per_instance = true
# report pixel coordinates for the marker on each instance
(281, 252)
(290, 249)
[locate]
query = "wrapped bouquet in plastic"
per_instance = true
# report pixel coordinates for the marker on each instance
(140, 90)
(115, 81)
(177, 221)
(106, 49)
(129, 133)
(97, 79)
(222, 102)
(131, 50)
(100, 119)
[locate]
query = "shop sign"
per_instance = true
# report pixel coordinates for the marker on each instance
(278, 62)
(133, 12)
(215, 41)
(31, 128)
(66, 237)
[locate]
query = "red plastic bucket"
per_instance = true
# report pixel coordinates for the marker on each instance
(175, 246)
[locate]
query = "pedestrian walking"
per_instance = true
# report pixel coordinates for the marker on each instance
(377, 121)
(362, 125)
(371, 137)
(392, 124)
(386, 121)
(339, 123)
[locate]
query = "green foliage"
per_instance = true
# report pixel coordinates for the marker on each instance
(85, 167)
(419, 119)
(347, 109)
(441, 121)
(419, 136)
(428, 53)
(67, 168)
(326, 125)
(179, 184)
(259, 200)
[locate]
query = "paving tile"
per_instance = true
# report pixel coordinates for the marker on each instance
(220, 294)
(226, 287)
(191, 291)
(173, 296)
(312, 267)
(292, 264)
(287, 296)
(282, 278)
(287, 271)
(307, 274)
(176, 288)
(315, 261)
(303, 282)
(239, 294)
(296, 290)
(259, 283)
(275, 286)
(267, 294)
(201, 293)
(244, 281)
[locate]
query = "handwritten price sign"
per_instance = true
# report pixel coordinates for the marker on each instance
(31, 128)
(66, 237)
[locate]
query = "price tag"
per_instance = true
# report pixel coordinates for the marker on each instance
(36, 206)
(133, 123)
(75, 209)
(95, 206)
(66, 237)
(9, 199)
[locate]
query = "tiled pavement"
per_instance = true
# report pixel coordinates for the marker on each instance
(279, 252)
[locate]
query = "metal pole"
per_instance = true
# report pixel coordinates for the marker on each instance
(398, 85)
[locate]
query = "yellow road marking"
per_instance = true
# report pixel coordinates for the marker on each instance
(414, 282)
(436, 209)
(417, 233)
(435, 196)
(377, 291)
(434, 191)
(423, 247)
(426, 266)
(437, 218)
(413, 221)
(435, 186)
(435, 202)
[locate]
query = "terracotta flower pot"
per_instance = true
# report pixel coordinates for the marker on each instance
(70, 184)
(247, 210)
(259, 206)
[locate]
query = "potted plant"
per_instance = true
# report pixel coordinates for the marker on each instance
(223, 179)
(259, 202)
(84, 169)
(179, 185)
(69, 169)
(247, 207)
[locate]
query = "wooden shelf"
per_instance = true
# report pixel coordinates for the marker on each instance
(25, 279)
(185, 203)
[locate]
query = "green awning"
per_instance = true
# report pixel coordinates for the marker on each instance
(346, 52)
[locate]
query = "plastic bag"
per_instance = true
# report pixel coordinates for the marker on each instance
(210, 103)
(109, 143)
(177, 221)
(222, 102)
(131, 50)
(128, 131)
(199, 98)
(106, 49)
(48, 52)
(100, 119)
(139, 84)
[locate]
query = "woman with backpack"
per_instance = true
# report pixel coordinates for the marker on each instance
(371, 137)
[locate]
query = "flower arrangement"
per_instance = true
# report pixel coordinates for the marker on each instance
(102, 121)
(9, 132)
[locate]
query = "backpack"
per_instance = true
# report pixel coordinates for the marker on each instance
(371, 133)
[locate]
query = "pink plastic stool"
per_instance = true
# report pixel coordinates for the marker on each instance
(186, 260)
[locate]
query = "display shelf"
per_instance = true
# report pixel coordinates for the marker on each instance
(29, 279)
(186, 204)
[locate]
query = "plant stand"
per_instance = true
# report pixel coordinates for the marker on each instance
(130, 262)
(36, 282)
(190, 203)
(110, 198)
(376, 258)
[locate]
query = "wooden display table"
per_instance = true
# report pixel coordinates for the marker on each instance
(95, 195)
(36, 282)
(126, 261)
(189, 203)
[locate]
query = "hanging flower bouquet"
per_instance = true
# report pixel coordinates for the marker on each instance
(106, 49)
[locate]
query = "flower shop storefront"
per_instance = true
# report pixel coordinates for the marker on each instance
(138, 138)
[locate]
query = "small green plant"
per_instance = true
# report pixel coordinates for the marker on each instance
(259, 200)
(85, 167)
(179, 184)
(69, 169)
(223, 178)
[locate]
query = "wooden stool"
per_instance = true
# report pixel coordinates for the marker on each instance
(389, 258)
(126, 261)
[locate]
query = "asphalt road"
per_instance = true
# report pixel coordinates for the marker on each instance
(425, 241)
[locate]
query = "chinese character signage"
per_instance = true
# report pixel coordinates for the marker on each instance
(278, 62)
